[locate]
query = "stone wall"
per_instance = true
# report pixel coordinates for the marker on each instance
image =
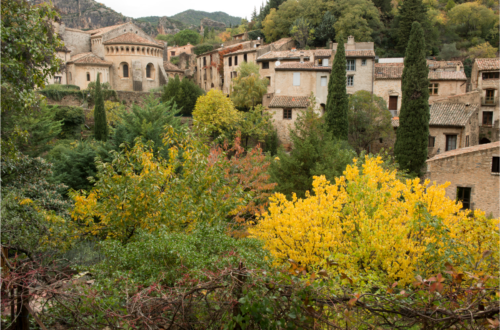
(470, 168)
(363, 76)
(76, 41)
(385, 88)
(127, 98)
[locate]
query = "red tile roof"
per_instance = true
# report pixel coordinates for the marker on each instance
(359, 53)
(451, 114)
(289, 102)
(88, 58)
(461, 151)
(488, 63)
(242, 51)
(395, 71)
(432, 64)
(447, 75)
(285, 54)
(306, 66)
(132, 38)
(322, 52)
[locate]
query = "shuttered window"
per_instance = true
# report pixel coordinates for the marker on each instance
(393, 103)
(324, 81)
(296, 78)
(325, 62)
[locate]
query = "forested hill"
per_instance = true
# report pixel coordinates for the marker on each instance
(193, 17)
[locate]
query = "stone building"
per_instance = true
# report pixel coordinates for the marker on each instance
(473, 174)
(173, 70)
(446, 78)
(125, 56)
(485, 78)
(176, 51)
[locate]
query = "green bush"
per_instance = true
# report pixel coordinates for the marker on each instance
(72, 118)
(184, 93)
(174, 60)
(203, 48)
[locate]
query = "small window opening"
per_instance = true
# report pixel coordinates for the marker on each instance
(432, 141)
(88, 76)
(265, 65)
(463, 195)
(495, 165)
(287, 113)
(125, 70)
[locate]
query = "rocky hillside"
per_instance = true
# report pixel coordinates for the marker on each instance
(89, 15)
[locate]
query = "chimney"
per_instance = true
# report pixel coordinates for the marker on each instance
(301, 57)
(351, 45)
(330, 44)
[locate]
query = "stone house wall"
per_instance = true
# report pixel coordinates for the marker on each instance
(385, 88)
(283, 126)
(78, 74)
(229, 71)
(448, 88)
(75, 40)
(471, 169)
(363, 76)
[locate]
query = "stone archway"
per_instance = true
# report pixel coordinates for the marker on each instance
(484, 141)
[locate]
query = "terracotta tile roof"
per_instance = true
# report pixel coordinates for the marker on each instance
(286, 54)
(132, 38)
(289, 102)
(488, 63)
(359, 53)
(322, 52)
(88, 58)
(306, 66)
(242, 51)
(169, 67)
(461, 151)
(447, 75)
(281, 42)
(451, 114)
(388, 64)
(388, 72)
(101, 31)
(433, 65)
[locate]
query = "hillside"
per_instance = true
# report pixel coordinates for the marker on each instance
(193, 17)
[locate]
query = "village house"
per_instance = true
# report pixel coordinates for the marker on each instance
(446, 78)
(473, 173)
(124, 56)
(177, 50)
(173, 70)
(485, 78)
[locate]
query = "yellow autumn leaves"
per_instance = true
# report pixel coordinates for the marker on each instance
(374, 227)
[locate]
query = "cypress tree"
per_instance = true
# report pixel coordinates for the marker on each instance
(100, 125)
(409, 12)
(337, 102)
(410, 149)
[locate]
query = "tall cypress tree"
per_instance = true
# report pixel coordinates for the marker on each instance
(100, 125)
(337, 102)
(410, 149)
(409, 12)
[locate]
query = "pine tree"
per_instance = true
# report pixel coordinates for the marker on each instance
(100, 126)
(410, 149)
(409, 12)
(337, 102)
(254, 14)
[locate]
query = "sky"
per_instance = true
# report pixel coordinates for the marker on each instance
(142, 8)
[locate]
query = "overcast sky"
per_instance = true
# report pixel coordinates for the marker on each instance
(141, 8)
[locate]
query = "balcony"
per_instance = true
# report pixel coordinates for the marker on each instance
(489, 101)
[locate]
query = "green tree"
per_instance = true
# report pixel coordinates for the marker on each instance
(255, 124)
(449, 51)
(484, 50)
(358, 18)
(28, 49)
(269, 26)
(302, 32)
(337, 102)
(101, 125)
(315, 152)
(410, 149)
(472, 19)
(187, 36)
(369, 120)
(184, 93)
(325, 30)
(449, 5)
(248, 86)
(169, 38)
(384, 5)
(410, 11)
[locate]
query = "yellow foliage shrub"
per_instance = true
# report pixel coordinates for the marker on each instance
(376, 229)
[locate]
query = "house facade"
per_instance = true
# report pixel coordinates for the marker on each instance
(176, 51)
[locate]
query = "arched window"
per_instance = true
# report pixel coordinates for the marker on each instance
(125, 70)
(88, 76)
(150, 71)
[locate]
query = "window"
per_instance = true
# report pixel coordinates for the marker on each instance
(57, 80)
(269, 79)
(466, 140)
(287, 113)
(296, 78)
(490, 75)
(172, 53)
(245, 57)
(487, 118)
(463, 195)
(433, 89)
(350, 80)
(204, 61)
(432, 141)
(325, 62)
(125, 70)
(320, 62)
(495, 165)
(351, 65)
(88, 76)
(490, 96)
(363, 62)
(230, 61)
(236, 60)
(148, 71)
(393, 103)
(324, 81)
(265, 65)
(451, 142)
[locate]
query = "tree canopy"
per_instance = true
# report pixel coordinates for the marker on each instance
(248, 86)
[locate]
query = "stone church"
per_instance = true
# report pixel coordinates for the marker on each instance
(125, 57)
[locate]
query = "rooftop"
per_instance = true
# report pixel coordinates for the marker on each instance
(101, 31)
(169, 67)
(433, 64)
(447, 114)
(88, 58)
(447, 75)
(488, 63)
(289, 102)
(395, 71)
(462, 151)
(359, 53)
(305, 66)
(132, 38)
(285, 54)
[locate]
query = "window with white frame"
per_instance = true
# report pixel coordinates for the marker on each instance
(296, 78)
(324, 81)
(363, 62)
(350, 80)
(325, 62)
(351, 65)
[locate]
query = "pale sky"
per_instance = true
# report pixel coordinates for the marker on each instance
(141, 8)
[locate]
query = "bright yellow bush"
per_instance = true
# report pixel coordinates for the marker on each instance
(376, 229)
(215, 112)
